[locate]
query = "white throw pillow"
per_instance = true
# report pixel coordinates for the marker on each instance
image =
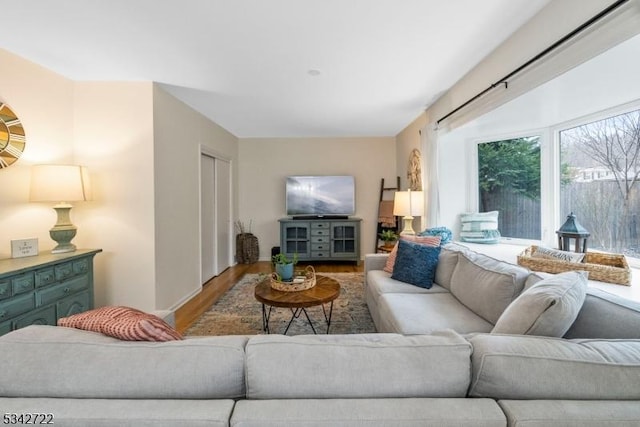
(548, 253)
(479, 227)
(547, 308)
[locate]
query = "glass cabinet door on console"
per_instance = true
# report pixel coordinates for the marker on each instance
(295, 238)
(344, 239)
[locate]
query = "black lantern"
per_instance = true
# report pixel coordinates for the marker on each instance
(571, 229)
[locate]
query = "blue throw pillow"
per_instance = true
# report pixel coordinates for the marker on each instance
(445, 234)
(416, 264)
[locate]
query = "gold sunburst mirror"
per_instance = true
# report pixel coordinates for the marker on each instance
(12, 137)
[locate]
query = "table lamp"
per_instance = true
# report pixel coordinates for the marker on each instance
(61, 184)
(408, 204)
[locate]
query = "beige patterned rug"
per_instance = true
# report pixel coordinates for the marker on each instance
(239, 313)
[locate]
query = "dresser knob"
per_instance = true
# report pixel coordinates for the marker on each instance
(2, 314)
(66, 290)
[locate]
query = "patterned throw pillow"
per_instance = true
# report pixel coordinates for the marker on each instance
(422, 240)
(480, 227)
(548, 253)
(416, 264)
(124, 323)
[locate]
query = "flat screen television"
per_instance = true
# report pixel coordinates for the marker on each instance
(320, 196)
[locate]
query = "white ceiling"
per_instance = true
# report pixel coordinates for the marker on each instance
(248, 64)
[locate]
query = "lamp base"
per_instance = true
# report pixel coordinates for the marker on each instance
(408, 226)
(64, 231)
(63, 236)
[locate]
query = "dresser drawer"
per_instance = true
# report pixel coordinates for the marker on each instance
(320, 239)
(81, 267)
(319, 247)
(22, 283)
(319, 232)
(73, 305)
(5, 290)
(320, 254)
(45, 277)
(45, 316)
(63, 271)
(16, 306)
(316, 225)
(54, 293)
(5, 328)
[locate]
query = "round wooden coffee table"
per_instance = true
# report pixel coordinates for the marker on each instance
(325, 291)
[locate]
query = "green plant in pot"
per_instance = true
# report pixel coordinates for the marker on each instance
(284, 266)
(388, 237)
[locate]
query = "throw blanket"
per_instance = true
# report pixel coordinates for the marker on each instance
(385, 214)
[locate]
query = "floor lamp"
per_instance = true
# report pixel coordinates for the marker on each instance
(408, 204)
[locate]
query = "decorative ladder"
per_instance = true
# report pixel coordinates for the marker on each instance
(381, 227)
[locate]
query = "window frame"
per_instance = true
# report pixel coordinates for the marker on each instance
(579, 121)
(551, 218)
(473, 202)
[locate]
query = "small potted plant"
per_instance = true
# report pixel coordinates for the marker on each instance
(284, 266)
(389, 238)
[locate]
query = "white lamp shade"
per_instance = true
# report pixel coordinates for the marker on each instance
(408, 203)
(59, 183)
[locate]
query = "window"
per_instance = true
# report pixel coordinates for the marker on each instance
(600, 170)
(509, 182)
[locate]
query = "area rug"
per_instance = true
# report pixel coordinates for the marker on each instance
(239, 313)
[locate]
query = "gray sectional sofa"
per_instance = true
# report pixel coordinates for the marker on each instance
(472, 290)
(438, 365)
(442, 379)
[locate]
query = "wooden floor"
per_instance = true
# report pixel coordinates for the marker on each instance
(216, 287)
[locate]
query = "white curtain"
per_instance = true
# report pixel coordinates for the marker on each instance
(429, 143)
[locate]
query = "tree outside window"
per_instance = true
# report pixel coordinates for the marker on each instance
(509, 182)
(603, 161)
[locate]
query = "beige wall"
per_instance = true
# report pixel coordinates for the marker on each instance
(114, 139)
(142, 148)
(266, 162)
(179, 132)
(43, 101)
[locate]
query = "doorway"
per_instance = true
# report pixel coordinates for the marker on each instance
(215, 214)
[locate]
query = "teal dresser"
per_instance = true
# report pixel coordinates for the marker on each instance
(41, 289)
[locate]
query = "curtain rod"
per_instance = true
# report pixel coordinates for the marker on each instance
(554, 46)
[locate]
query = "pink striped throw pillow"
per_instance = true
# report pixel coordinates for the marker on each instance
(422, 240)
(124, 323)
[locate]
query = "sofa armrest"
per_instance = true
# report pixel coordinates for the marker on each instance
(374, 262)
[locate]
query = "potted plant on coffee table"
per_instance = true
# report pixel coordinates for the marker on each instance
(389, 238)
(284, 266)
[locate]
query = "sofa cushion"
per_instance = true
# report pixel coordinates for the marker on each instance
(441, 412)
(126, 412)
(416, 264)
(548, 308)
(528, 367)
(485, 285)
(480, 227)
(71, 363)
(447, 262)
(426, 313)
(605, 315)
(577, 413)
(357, 366)
(422, 240)
(124, 323)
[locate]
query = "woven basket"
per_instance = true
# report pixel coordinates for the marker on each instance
(610, 268)
(247, 249)
(301, 282)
